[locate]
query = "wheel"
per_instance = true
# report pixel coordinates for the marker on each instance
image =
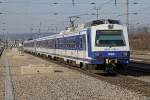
(83, 66)
(125, 72)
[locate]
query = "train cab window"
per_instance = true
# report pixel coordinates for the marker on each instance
(109, 38)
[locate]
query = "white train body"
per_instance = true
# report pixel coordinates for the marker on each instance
(87, 45)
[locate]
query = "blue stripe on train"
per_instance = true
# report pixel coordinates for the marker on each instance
(111, 54)
(99, 57)
(99, 60)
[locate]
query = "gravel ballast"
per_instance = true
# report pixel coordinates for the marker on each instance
(67, 87)
(2, 78)
(142, 78)
(61, 84)
(2, 83)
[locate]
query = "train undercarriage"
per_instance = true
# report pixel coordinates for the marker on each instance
(110, 66)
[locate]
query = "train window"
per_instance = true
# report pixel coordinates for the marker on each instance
(81, 42)
(45, 43)
(50, 44)
(31, 44)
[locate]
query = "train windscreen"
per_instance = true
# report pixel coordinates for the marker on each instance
(109, 38)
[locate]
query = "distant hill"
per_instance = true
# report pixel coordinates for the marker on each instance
(24, 36)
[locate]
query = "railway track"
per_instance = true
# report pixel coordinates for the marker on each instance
(119, 80)
(63, 82)
(139, 67)
(9, 95)
(123, 81)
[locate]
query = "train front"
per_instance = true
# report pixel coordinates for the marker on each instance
(109, 46)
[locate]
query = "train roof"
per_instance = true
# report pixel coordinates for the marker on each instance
(90, 24)
(48, 37)
(79, 28)
(102, 21)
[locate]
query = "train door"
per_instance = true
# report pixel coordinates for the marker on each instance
(89, 42)
(81, 49)
(78, 49)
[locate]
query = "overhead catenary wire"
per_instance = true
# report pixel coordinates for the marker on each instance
(57, 3)
(90, 12)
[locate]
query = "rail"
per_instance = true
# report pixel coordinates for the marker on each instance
(8, 81)
(139, 66)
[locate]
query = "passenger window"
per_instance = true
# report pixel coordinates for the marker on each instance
(81, 44)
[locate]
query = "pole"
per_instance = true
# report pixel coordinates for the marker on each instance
(31, 30)
(97, 12)
(56, 28)
(39, 29)
(73, 2)
(127, 13)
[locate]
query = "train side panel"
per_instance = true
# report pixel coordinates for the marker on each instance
(68, 47)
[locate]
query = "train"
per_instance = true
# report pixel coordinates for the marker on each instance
(101, 43)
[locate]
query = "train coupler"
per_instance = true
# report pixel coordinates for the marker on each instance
(110, 65)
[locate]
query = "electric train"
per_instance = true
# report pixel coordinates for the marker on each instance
(103, 43)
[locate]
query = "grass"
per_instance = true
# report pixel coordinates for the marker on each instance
(140, 41)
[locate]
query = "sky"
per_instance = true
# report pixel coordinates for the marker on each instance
(26, 16)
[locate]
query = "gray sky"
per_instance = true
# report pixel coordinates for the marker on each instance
(20, 15)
